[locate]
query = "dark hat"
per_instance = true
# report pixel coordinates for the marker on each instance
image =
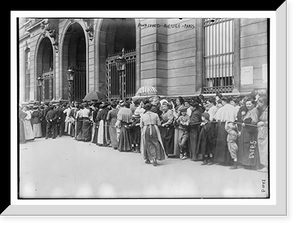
(226, 99)
(183, 109)
(193, 103)
(147, 106)
(206, 115)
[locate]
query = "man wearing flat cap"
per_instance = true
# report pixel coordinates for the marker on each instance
(183, 122)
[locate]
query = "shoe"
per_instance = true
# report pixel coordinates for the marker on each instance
(263, 170)
(210, 163)
(147, 161)
(184, 157)
(204, 163)
(180, 156)
(234, 166)
(154, 163)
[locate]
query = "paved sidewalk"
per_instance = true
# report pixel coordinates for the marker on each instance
(65, 168)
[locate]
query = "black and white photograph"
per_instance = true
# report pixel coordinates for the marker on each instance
(143, 108)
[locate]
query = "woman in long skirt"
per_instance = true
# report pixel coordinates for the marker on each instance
(29, 135)
(95, 124)
(36, 117)
(86, 123)
(263, 131)
(194, 130)
(101, 119)
(167, 129)
(22, 116)
(177, 131)
(152, 147)
(111, 121)
(124, 119)
(222, 154)
(248, 148)
(79, 119)
(226, 113)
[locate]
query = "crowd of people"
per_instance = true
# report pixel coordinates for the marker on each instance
(229, 131)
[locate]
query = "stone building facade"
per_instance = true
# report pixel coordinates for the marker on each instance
(183, 57)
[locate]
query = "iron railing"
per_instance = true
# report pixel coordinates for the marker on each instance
(218, 55)
(129, 76)
(79, 84)
(47, 87)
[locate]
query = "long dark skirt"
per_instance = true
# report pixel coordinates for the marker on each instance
(222, 155)
(135, 133)
(193, 142)
(95, 133)
(167, 136)
(124, 144)
(86, 130)
(72, 130)
(248, 148)
(44, 126)
(152, 146)
(79, 136)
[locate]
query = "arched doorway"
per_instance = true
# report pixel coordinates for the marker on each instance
(44, 61)
(115, 35)
(74, 55)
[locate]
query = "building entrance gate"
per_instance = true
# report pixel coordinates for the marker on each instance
(127, 79)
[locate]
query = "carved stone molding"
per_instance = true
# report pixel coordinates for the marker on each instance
(50, 27)
(90, 28)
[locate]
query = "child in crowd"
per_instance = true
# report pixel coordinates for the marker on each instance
(207, 139)
(183, 122)
(232, 136)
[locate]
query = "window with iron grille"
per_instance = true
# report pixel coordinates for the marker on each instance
(218, 55)
(129, 77)
(27, 74)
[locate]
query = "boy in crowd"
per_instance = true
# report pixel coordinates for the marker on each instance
(183, 122)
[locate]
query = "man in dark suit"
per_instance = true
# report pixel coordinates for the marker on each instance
(60, 120)
(51, 118)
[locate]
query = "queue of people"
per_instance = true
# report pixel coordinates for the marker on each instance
(216, 130)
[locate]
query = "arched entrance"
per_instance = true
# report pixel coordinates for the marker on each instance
(74, 55)
(115, 35)
(44, 63)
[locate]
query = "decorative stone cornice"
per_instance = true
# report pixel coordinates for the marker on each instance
(50, 27)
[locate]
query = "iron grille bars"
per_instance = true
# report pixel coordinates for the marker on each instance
(218, 55)
(112, 76)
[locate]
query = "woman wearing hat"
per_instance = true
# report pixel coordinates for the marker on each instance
(29, 135)
(152, 147)
(167, 128)
(102, 123)
(248, 148)
(226, 113)
(36, 117)
(86, 123)
(111, 121)
(195, 121)
(124, 119)
(177, 132)
(22, 116)
(263, 132)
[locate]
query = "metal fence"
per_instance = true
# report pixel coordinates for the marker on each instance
(79, 85)
(129, 76)
(218, 55)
